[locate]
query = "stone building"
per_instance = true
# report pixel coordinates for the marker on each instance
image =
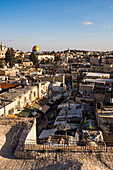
(3, 50)
(13, 101)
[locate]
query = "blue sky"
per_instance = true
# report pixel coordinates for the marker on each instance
(57, 24)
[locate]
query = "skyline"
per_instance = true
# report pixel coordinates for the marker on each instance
(57, 25)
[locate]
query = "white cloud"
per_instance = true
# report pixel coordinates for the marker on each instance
(108, 26)
(87, 23)
(89, 34)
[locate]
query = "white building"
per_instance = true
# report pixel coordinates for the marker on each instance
(13, 101)
(45, 57)
(3, 50)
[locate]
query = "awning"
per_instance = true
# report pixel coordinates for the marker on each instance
(41, 108)
(45, 108)
(46, 133)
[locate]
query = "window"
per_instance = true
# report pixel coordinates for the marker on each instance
(11, 111)
(30, 96)
(25, 100)
(34, 94)
(18, 103)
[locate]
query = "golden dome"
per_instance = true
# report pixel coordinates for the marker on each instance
(35, 48)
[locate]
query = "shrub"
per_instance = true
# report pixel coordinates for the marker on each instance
(59, 150)
(43, 151)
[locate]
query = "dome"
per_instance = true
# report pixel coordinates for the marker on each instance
(35, 49)
(63, 126)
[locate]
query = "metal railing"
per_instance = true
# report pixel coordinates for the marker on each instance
(72, 146)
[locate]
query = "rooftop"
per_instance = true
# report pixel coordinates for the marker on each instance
(14, 93)
(106, 112)
(98, 80)
(47, 133)
(8, 86)
(24, 113)
(95, 74)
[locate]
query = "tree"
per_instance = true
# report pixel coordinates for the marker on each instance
(43, 61)
(10, 57)
(19, 60)
(1, 64)
(33, 58)
(52, 52)
(57, 58)
(51, 59)
(48, 61)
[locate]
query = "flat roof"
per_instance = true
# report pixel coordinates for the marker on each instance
(57, 97)
(24, 113)
(8, 86)
(107, 112)
(62, 119)
(47, 133)
(98, 80)
(63, 105)
(14, 93)
(87, 85)
(96, 74)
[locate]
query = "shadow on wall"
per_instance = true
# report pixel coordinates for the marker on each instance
(99, 157)
(7, 149)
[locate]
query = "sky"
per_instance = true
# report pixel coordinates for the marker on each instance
(57, 24)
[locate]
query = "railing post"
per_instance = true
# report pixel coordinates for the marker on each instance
(22, 145)
(43, 144)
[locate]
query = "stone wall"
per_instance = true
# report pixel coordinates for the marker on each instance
(32, 136)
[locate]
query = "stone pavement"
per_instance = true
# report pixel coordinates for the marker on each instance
(50, 161)
(60, 161)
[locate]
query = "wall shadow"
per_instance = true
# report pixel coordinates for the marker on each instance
(100, 159)
(8, 149)
(60, 166)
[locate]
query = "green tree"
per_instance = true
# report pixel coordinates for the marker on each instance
(57, 58)
(1, 64)
(33, 58)
(43, 61)
(19, 61)
(10, 57)
(48, 61)
(52, 52)
(51, 59)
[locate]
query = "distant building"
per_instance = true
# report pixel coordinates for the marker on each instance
(91, 75)
(14, 100)
(8, 72)
(3, 50)
(27, 63)
(51, 78)
(104, 118)
(95, 59)
(68, 50)
(97, 68)
(45, 57)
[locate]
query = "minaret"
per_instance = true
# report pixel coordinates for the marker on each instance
(1, 45)
(68, 50)
(67, 55)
